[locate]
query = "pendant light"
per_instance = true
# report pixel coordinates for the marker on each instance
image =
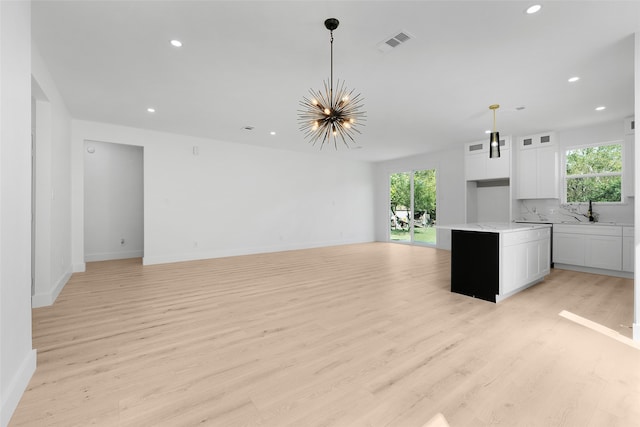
(333, 114)
(494, 139)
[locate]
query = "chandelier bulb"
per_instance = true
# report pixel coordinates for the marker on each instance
(327, 111)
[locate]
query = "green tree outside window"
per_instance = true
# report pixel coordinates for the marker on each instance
(594, 173)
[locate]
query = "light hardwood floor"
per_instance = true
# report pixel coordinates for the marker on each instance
(352, 335)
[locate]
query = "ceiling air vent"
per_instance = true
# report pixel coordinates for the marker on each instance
(394, 41)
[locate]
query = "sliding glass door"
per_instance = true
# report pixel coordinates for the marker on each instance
(400, 197)
(412, 199)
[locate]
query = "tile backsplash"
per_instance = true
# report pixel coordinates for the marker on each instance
(552, 210)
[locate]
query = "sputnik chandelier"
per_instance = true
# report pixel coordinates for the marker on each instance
(334, 114)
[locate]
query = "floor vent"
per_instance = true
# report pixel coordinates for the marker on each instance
(394, 41)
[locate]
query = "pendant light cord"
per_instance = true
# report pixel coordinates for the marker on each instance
(494, 119)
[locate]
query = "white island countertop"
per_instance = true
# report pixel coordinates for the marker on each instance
(494, 227)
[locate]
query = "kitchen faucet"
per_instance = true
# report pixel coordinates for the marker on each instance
(590, 213)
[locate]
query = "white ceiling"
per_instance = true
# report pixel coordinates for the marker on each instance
(249, 63)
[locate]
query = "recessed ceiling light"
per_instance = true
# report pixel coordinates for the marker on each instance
(487, 131)
(151, 110)
(272, 133)
(573, 79)
(176, 43)
(600, 108)
(534, 9)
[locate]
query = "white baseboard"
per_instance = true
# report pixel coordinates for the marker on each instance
(108, 256)
(602, 271)
(80, 268)
(17, 386)
(46, 299)
(194, 256)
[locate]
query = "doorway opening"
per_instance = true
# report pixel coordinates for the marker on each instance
(113, 201)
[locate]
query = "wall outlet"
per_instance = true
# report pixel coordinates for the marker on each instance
(122, 241)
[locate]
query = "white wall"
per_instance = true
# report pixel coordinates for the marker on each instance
(17, 359)
(450, 187)
(493, 203)
(53, 185)
(113, 201)
(233, 199)
(613, 131)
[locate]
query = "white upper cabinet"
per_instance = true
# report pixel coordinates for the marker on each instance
(478, 165)
(538, 167)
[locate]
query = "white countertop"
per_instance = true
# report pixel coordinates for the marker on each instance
(618, 224)
(494, 227)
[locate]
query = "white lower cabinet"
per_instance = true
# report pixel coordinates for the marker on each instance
(604, 252)
(568, 248)
(525, 258)
(515, 268)
(588, 246)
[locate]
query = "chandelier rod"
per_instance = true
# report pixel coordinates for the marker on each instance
(331, 82)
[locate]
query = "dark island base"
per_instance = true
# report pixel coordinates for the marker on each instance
(475, 264)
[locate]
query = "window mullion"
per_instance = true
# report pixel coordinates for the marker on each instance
(594, 175)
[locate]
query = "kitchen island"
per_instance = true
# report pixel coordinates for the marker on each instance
(493, 261)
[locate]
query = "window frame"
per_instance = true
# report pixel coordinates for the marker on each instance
(622, 172)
